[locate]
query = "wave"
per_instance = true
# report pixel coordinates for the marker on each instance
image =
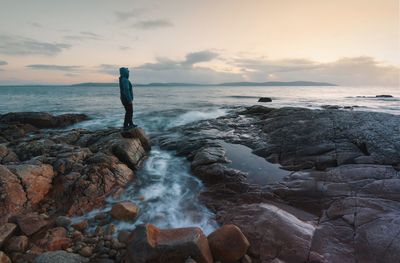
(193, 116)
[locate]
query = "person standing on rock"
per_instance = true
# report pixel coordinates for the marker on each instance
(125, 87)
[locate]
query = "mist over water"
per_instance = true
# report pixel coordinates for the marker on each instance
(165, 190)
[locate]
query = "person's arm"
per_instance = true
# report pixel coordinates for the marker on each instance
(131, 90)
(126, 90)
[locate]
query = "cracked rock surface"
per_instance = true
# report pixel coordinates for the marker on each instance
(340, 199)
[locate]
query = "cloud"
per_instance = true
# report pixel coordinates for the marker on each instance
(126, 15)
(109, 69)
(3, 63)
(191, 59)
(359, 71)
(35, 24)
(201, 56)
(84, 35)
(20, 46)
(153, 24)
(54, 67)
(124, 48)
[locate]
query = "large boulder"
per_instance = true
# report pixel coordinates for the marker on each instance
(129, 151)
(148, 243)
(228, 244)
(124, 211)
(42, 119)
(36, 179)
(12, 193)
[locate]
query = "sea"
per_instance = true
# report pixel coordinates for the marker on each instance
(165, 190)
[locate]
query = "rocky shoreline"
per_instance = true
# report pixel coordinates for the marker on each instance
(338, 202)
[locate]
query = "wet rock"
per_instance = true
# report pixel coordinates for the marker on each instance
(42, 120)
(129, 151)
(31, 223)
(55, 239)
(12, 194)
(264, 99)
(228, 244)
(36, 179)
(6, 231)
(140, 134)
(60, 257)
(4, 258)
(17, 244)
(124, 211)
(150, 244)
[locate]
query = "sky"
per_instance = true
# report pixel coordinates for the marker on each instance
(347, 42)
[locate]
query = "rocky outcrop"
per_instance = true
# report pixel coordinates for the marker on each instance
(147, 243)
(53, 173)
(42, 120)
(339, 203)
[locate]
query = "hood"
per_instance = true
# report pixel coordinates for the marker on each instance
(124, 72)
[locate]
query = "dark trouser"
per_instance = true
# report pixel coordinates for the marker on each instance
(128, 115)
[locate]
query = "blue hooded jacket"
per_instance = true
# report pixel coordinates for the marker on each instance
(125, 86)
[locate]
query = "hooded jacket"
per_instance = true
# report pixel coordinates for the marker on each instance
(125, 86)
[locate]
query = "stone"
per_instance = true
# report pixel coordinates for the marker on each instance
(12, 194)
(86, 251)
(31, 223)
(60, 257)
(6, 231)
(4, 258)
(36, 179)
(147, 243)
(264, 99)
(124, 211)
(81, 226)
(228, 244)
(63, 221)
(17, 244)
(55, 239)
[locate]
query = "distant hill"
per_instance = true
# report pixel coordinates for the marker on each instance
(277, 83)
(172, 84)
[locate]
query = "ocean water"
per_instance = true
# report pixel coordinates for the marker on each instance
(165, 190)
